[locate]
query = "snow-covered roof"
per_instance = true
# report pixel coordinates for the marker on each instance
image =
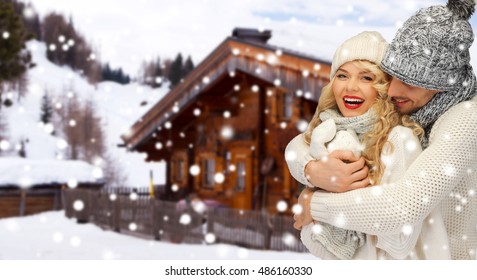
(27, 173)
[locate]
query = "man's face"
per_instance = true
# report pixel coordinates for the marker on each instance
(407, 98)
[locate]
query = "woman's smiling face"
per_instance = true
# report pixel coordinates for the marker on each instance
(353, 90)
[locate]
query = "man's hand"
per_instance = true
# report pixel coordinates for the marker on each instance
(303, 218)
(341, 171)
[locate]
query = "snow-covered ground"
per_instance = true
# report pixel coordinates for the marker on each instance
(52, 236)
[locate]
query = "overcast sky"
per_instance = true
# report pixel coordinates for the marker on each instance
(126, 32)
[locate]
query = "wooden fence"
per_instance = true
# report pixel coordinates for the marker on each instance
(140, 215)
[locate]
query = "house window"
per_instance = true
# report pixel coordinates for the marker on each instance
(180, 170)
(209, 173)
(241, 176)
(286, 106)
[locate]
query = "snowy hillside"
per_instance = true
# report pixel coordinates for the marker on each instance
(118, 105)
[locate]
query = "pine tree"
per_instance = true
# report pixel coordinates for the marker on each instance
(188, 67)
(46, 109)
(15, 59)
(175, 72)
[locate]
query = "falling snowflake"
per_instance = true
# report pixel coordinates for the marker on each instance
(340, 220)
(227, 114)
(97, 173)
(219, 178)
(297, 209)
(168, 125)
(283, 125)
(199, 206)
(288, 239)
(78, 205)
(176, 108)
(277, 82)
(113, 197)
(407, 230)
(206, 80)
(227, 132)
(232, 168)
(282, 206)
(237, 87)
(4, 145)
(72, 183)
(290, 155)
(255, 88)
(6, 35)
(194, 170)
(317, 228)
(449, 170)
(133, 196)
(132, 226)
(158, 146)
(210, 238)
(49, 128)
(302, 125)
(185, 219)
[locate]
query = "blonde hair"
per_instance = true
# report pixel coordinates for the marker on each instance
(388, 118)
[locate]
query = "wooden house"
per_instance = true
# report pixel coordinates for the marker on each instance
(33, 186)
(224, 129)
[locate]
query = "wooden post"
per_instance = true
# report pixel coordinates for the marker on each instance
(22, 202)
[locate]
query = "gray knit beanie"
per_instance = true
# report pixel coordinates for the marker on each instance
(431, 49)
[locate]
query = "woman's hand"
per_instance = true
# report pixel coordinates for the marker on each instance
(340, 171)
(303, 218)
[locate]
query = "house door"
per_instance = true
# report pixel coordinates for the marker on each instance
(242, 174)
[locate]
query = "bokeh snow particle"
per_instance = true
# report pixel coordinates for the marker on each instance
(219, 178)
(194, 170)
(61, 144)
(282, 206)
(78, 205)
(6, 35)
(297, 209)
(227, 132)
(132, 226)
(4, 145)
(407, 230)
(174, 187)
(158, 146)
(97, 173)
(185, 219)
(288, 239)
(197, 112)
(210, 238)
(113, 197)
(302, 125)
(72, 183)
(317, 228)
(133, 196)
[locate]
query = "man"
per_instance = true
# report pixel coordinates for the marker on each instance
(434, 83)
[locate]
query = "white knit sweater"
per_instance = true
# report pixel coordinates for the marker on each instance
(406, 148)
(441, 181)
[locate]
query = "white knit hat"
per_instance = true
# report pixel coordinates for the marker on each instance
(367, 45)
